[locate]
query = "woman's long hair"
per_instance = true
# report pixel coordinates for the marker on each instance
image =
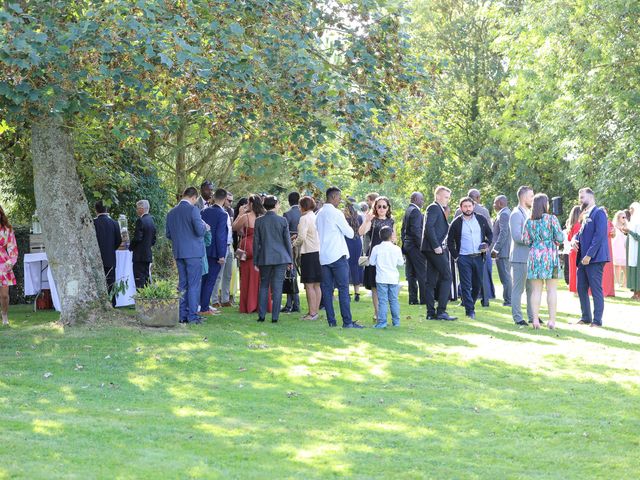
(242, 202)
(4, 221)
(574, 217)
(255, 202)
(540, 206)
(352, 216)
(375, 206)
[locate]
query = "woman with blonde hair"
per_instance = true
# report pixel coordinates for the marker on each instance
(8, 258)
(632, 229)
(619, 245)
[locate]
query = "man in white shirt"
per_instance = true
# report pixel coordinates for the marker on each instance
(332, 227)
(387, 257)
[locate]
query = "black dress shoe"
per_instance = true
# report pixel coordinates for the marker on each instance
(485, 304)
(413, 303)
(260, 319)
(472, 315)
(352, 325)
(196, 321)
(356, 298)
(446, 316)
(274, 320)
(522, 323)
(333, 324)
(431, 316)
(182, 320)
(285, 310)
(294, 310)
(505, 304)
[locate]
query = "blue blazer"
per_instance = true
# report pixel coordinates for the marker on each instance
(216, 217)
(594, 238)
(186, 230)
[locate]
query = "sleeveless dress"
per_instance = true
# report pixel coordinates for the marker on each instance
(608, 282)
(573, 259)
(543, 236)
(8, 256)
(249, 278)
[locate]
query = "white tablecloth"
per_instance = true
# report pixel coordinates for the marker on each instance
(37, 276)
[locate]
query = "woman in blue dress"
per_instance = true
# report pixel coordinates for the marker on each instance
(356, 272)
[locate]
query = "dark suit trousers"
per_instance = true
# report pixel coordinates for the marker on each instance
(438, 282)
(110, 274)
(271, 276)
(141, 273)
(208, 282)
(416, 271)
(590, 277)
(189, 281)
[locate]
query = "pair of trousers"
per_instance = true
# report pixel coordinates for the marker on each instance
(416, 272)
(590, 277)
(271, 276)
(388, 299)
(222, 288)
(505, 278)
(487, 289)
(471, 270)
(438, 282)
(189, 282)
(336, 273)
(141, 273)
(208, 282)
(520, 283)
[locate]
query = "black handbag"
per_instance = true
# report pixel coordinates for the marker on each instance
(290, 285)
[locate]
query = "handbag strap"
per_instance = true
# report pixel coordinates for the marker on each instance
(373, 230)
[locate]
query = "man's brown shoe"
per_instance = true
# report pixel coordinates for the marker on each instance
(227, 304)
(216, 305)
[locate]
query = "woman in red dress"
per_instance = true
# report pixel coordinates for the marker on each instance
(573, 227)
(249, 276)
(608, 280)
(8, 258)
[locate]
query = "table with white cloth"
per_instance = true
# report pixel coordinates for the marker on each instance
(37, 276)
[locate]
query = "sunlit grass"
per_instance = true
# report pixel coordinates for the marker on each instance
(238, 399)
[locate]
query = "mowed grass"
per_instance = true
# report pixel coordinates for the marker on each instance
(237, 399)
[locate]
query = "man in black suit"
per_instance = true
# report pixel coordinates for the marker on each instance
(272, 255)
(411, 235)
(434, 247)
(144, 238)
(293, 217)
(109, 239)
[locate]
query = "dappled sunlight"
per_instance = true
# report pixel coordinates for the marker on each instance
(47, 427)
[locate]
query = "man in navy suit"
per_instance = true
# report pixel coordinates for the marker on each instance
(144, 238)
(186, 230)
(109, 239)
(593, 253)
(217, 218)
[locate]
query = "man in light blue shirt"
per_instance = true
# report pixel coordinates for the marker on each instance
(332, 228)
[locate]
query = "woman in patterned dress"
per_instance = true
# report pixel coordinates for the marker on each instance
(543, 234)
(8, 258)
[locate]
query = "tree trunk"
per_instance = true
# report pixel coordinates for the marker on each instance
(68, 231)
(181, 154)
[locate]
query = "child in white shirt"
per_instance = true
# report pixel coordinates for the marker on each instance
(387, 257)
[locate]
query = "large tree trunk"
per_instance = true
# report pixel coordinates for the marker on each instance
(69, 235)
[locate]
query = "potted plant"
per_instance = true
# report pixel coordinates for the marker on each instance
(158, 304)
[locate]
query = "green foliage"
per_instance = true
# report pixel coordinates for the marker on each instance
(159, 290)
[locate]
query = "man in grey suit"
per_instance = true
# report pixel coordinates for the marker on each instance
(520, 255)
(293, 217)
(272, 255)
(502, 246)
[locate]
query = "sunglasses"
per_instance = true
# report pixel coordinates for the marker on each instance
(382, 207)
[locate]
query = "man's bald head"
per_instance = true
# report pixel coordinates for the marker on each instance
(417, 199)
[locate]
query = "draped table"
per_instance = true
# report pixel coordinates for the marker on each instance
(37, 276)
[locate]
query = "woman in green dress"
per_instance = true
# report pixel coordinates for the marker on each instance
(632, 229)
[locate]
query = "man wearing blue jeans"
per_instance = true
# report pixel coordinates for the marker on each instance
(387, 257)
(332, 228)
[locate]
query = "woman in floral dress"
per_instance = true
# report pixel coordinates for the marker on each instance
(543, 234)
(8, 258)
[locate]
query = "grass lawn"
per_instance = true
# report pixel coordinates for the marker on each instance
(237, 399)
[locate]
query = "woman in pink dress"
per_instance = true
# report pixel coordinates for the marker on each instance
(8, 258)
(249, 275)
(619, 245)
(608, 282)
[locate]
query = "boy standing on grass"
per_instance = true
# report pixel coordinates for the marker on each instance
(387, 257)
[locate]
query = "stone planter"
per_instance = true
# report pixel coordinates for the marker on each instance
(158, 312)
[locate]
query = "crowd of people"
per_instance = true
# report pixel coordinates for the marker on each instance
(333, 244)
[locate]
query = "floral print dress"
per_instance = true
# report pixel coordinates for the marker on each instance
(8, 256)
(543, 236)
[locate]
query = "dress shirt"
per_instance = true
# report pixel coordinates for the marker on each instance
(332, 228)
(471, 237)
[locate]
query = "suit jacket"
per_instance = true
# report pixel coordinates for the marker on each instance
(216, 217)
(519, 249)
(411, 232)
(435, 228)
(502, 234)
(109, 239)
(271, 240)
(594, 238)
(185, 229)
(293, 217)
(144, 238)
(455, 234)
